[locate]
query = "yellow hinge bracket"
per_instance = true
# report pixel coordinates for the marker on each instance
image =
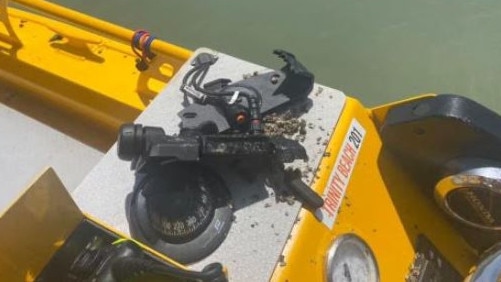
(11, 36)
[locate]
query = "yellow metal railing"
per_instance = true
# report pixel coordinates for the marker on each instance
(11, 36)
(103, 27)
(87, 77)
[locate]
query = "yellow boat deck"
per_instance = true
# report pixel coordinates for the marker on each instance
(67, 81)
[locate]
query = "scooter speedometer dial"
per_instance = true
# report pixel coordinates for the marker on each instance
(350, 259)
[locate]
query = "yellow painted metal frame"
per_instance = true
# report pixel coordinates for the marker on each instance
(382, 205)
(106, 28)
(85, 72)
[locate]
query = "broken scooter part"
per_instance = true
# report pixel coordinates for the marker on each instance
(223, 123)
(222, 105)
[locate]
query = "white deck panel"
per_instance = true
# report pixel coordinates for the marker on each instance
(27, 146)
(258, 236)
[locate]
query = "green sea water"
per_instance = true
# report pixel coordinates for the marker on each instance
(377, 51)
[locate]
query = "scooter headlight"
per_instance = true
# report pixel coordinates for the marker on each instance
(351, 259)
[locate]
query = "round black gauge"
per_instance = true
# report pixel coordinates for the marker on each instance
(181, 209)
(476, 205)
(471, 199)
(179, 203)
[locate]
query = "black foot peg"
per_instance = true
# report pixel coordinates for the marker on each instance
(302, 191)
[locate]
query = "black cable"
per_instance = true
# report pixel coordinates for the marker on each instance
(254, 90)
(131, 267)
(188, 74)
(201, 75)
(185, 83)
(195, 77)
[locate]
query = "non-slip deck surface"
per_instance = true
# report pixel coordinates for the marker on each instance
(262, 226)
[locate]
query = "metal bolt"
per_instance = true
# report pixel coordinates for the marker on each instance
(274, 78)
